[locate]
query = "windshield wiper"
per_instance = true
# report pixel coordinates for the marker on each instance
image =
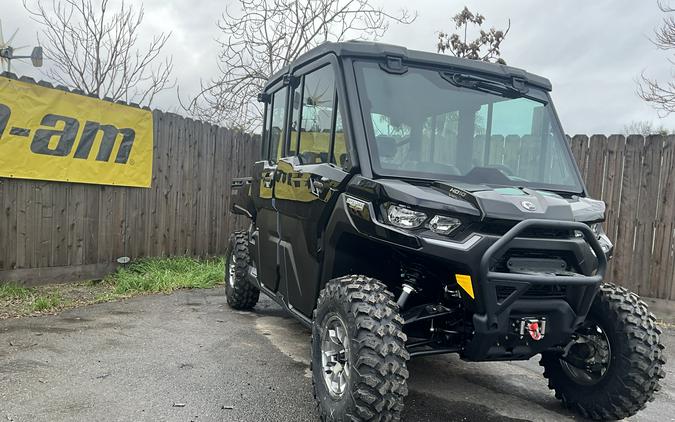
(516, 89)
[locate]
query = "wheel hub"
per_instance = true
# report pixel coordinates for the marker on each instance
(336, 368)
(587, 357)
(232, 271)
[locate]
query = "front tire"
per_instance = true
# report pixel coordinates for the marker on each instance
(613, 368)
(358, 352)
(240, 293)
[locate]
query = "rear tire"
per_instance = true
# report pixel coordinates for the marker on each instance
(635, 360)
(240, 293)
(359, 374)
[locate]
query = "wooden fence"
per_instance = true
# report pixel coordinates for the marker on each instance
(635, 176)
(64, 231)
(53, 231)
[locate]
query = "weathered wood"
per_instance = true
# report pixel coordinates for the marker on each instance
(70, 227)
(597, 151)
(44, 275)
(579, 145)
(611, 193)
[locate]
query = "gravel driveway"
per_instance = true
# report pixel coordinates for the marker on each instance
(188, 357)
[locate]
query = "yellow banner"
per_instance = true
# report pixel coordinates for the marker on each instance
(48, 134)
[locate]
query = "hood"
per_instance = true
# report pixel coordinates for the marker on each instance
(484, 201)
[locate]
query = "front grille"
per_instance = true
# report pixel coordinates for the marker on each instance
(501, 264)
(500, 227)
(535, 291)
(546, 291)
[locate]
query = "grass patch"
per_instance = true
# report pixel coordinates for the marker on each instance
(14, 291)
(47, 302)
(151, 275)
(166, 275)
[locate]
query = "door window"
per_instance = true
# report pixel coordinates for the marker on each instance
(316, 129)
(340, 155)
(266, 132)
(317, 116)
(278, 124)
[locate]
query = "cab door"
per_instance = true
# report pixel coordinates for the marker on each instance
(308, 179)
(263, 185)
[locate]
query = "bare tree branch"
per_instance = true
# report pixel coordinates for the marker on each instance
(93, 49)
(266, 35)
(485, 47)
(661, 95)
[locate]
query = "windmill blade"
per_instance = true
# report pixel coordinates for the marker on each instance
(9, 41)
(2, 37)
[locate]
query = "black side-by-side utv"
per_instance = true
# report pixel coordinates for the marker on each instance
(410, 204)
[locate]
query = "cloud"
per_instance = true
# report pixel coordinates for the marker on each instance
(592, 51)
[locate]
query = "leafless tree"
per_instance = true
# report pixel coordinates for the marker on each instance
(485, 47)
(263, 36)
(94, 49)
(661, 95)
(645, 128)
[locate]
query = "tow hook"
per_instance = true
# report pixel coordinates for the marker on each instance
(536, 328)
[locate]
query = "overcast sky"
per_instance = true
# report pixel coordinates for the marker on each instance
(592, 51)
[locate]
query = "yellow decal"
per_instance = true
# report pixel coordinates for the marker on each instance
(49, 134)
(464, 282)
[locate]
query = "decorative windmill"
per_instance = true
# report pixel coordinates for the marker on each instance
(8, 52)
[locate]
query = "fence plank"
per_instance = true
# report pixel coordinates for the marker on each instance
(622, 268)
(597, 151)
(611, 193)
(579, 145)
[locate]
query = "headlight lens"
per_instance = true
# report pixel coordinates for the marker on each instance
(405, 218)
(444, 225)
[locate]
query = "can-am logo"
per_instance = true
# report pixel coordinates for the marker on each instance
(48, 139)
(528, 205)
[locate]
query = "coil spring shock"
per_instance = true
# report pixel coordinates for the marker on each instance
(411, 274)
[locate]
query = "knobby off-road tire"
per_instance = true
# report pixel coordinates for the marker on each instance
(241, 294)
(635, 364)
(376, 357)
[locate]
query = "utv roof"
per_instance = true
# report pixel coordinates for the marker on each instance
(373, 50)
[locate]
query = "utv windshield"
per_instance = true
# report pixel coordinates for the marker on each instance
(431, 124)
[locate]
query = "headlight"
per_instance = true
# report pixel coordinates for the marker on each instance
(600, 234)
(444, 225)
(405, 218)
(596, 228)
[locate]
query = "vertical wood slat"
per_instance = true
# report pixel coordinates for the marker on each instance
(648, 195)
(597, 151)
(666, 216)
(579, 146)
(614, 173)
(628, 213)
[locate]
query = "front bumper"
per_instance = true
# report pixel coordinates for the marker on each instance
(494, 335)
(495, 313)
